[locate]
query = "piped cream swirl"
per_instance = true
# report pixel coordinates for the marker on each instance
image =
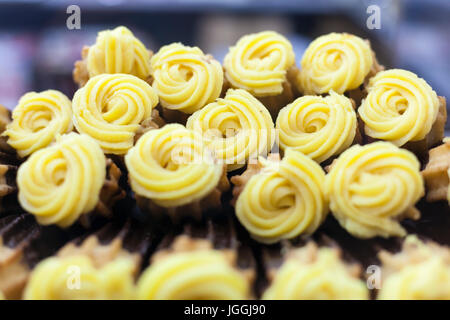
(285, 199)
(37, 119)
(194, 275)
(172, 166)
(399, 107)
(420, 271)
(59, 183)
(259, 62)
(118, 51)
(236, 128)
(370, 187)
(76, 278)
(110, 109)
(185, 78)
(319, 127)
(323, 276)
(336, 61)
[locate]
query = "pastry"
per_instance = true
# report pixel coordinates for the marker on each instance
(37, 120)
(319, 127)
(111, 109)
(191, 269)
(421, 271)
(400, 107)
(89, 271)
(72, 227)
(237, 128)
(372, 187)
(312, 273)
(185, 79)
(172, 172)
(437, 173)
(23, 243)
(263, 64)
(281, 199)
(64, 181)
(336, 61)
(115, 51)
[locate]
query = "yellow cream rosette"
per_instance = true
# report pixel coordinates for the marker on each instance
(172, 166)
(284, 199)
(335, 61)
(194, 275)
(59, 183)
(77, 278)
(371, 187)
(118, 51)
(319, 127)
(110, 109)
(399, 107)
(237, 128)
(259, 63)
(419, 272)
(37, 119)
(321, 277)
(185, 78)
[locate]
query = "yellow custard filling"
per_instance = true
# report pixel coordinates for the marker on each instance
(399, 107)
(110, 109)
(424, 274)
(76, 278)
(195, 275)
(172, 166)
(285, 199)
(185, 78)
(236, 128)
(370, 187)
(319, 127)
(59, 183)
(37, 119)
(259, 62)
(118, 51)
(336, 61)
(325, 277)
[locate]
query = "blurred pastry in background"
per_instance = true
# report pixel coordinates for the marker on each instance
(236, 128)
(112, 109)
(437, 173)
(23, 244)
(263, 64)
(403, 109)
(420, 271)
(115, 51)
(9, 163)
(88, 271)
(281, 199)
(185, 79)
(313, 273)
(62, 183)
(37, 120)
(319, 127)
(191, 269)
(173, 174)
(340, 62)
(372, 188)
(5, 120)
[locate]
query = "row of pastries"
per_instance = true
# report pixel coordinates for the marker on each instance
(286, 145)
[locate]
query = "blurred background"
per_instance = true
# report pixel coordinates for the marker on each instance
(37, 50)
